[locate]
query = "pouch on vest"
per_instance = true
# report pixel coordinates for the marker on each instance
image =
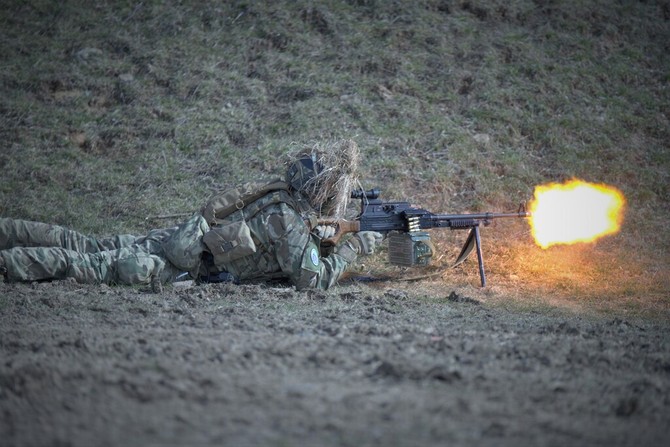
(229, 242)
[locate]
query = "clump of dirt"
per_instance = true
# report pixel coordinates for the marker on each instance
(357, 365)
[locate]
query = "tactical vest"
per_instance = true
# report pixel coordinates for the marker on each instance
(228, 213)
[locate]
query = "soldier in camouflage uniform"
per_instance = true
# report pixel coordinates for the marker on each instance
(271, 235)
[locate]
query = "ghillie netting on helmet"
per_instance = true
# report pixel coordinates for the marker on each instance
(330, 189)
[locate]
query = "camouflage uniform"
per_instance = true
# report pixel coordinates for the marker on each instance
(33, 251)
(284, 245)
(284, 248)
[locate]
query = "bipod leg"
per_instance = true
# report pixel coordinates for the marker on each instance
(473, 241)
(480, 258)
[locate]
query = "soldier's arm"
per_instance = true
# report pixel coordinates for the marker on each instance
(299, 256)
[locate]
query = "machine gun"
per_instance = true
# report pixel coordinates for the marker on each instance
(402, 224)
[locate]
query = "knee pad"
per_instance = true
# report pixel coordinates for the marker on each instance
(139, 268)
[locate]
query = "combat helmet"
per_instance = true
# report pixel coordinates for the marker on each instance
(302, 171)
(325, 174)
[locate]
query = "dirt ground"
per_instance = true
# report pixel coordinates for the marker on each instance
(363, 364)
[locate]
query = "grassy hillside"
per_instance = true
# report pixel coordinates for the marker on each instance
(113, 112)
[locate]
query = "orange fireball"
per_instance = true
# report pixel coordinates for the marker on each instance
(575, 211)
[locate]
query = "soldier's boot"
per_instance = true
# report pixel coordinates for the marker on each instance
(3, 269)
(156, 284)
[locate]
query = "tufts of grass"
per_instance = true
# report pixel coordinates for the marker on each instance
(114, 112)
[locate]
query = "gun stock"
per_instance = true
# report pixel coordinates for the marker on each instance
(342, 227)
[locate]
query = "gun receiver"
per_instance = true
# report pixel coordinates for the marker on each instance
(403, 224)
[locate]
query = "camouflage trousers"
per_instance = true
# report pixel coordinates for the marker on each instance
(32, 251)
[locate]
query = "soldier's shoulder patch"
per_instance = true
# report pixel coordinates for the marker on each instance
(314, 256)
(311, 259)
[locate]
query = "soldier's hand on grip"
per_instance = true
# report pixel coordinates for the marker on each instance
(324, 231)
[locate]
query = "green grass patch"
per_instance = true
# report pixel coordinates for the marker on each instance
(112, 113)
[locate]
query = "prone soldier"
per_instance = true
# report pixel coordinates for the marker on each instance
(255, 232)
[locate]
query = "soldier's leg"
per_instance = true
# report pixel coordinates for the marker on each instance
(128, 265)
(38, 263)
(136, 265)
(23, 233)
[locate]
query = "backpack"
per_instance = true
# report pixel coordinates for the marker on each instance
(225, 203)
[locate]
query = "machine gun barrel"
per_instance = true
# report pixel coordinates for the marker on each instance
(460, 220)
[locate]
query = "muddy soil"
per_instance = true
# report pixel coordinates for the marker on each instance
(359, 365)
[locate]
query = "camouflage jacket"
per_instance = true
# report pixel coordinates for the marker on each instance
(283, 245)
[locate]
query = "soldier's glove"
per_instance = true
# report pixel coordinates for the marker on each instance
(324, 231)
(362, 243)
(367, 241)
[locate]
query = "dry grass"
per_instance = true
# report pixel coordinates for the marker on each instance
(117, 111)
